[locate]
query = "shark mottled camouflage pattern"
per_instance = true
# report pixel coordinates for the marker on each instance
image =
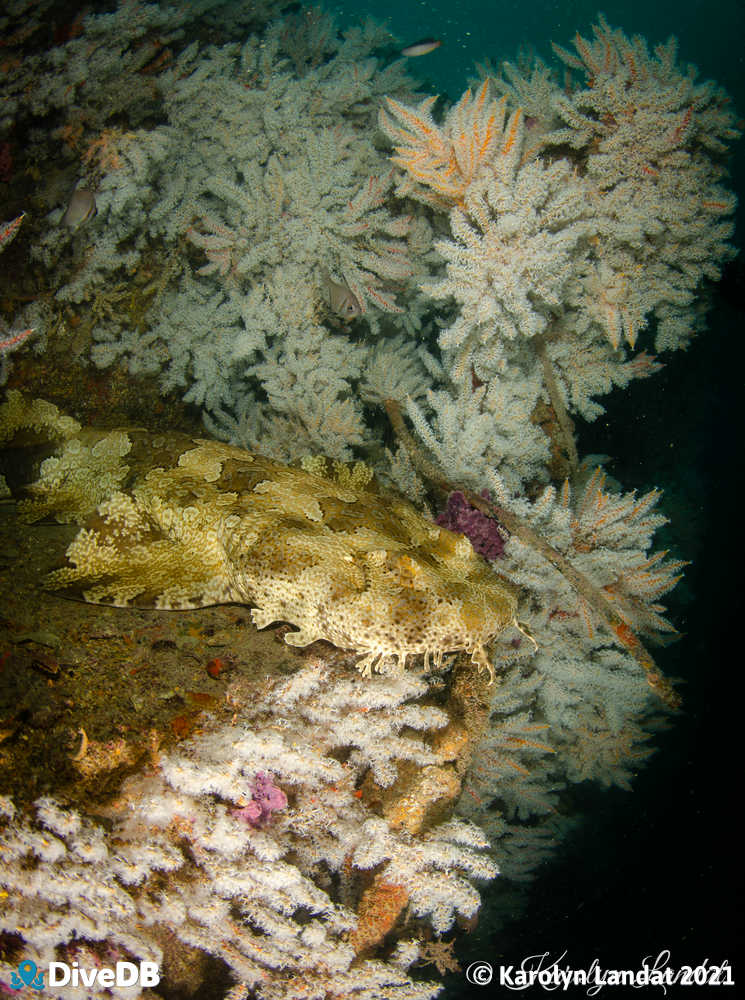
(172, 522)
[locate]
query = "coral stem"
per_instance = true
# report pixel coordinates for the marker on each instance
(557, 404)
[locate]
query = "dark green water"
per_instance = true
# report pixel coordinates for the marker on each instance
(710, 34)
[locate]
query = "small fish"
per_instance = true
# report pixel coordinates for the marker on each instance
(422, 47)
(82, 207)
(341, 298)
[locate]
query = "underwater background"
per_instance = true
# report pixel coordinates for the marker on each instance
(659, 867)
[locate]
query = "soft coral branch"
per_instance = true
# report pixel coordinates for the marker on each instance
(515, 525)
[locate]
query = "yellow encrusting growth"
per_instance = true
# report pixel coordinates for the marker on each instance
(187, 523)
(85, 471)
(32, 421)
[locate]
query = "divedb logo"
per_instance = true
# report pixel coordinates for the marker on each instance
(124, 974)
(71, 974)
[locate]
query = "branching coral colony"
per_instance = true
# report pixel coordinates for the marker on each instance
(285, 277)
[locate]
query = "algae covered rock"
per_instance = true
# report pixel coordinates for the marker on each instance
(173, 522)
